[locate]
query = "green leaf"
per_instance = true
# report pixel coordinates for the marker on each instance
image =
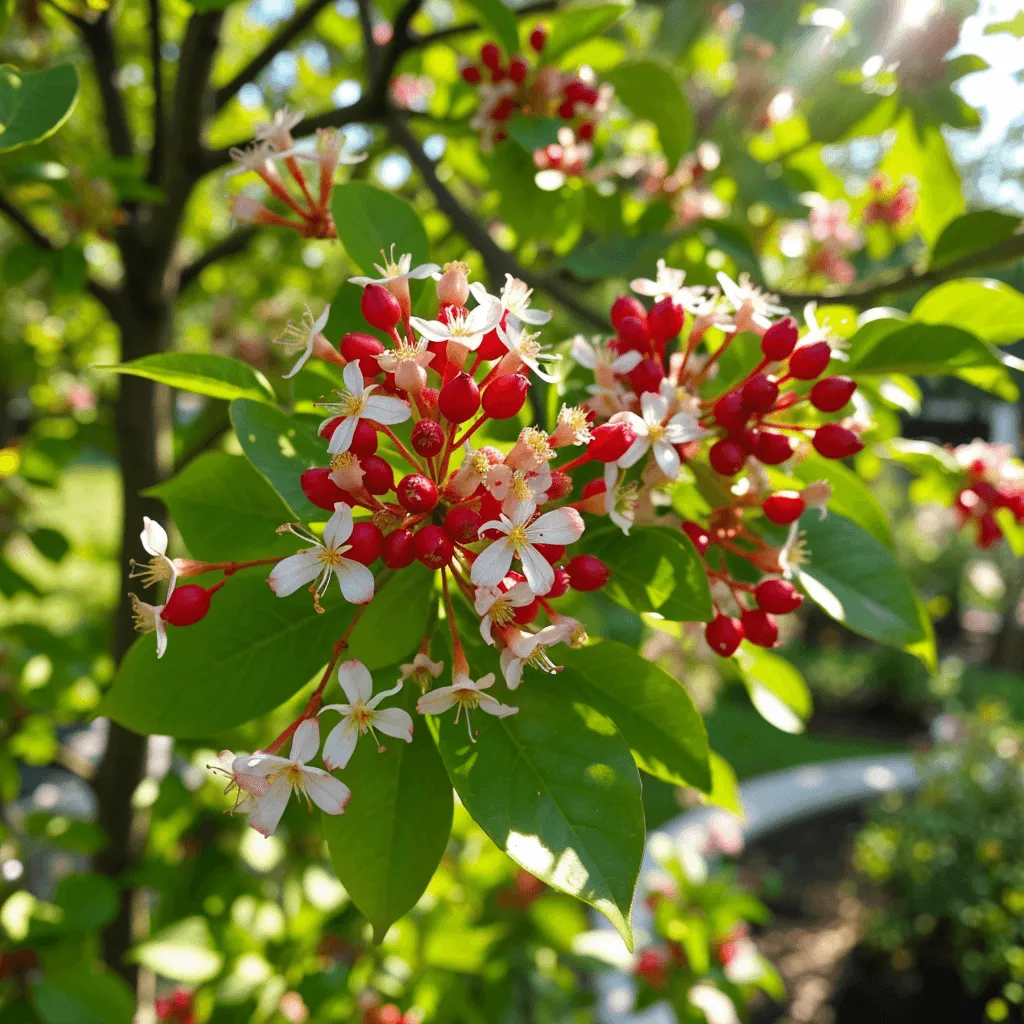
(972, 233)
(656, 570)
(370, 220)
(579, 24)
(534, 132)
(390, 840)
(725, 789)
(989, 309)
(857, 581)
(851, 497)
(1015, 26)
(837, 110)
(254, 650)
(200, 373)
(921, 349)
(1013, 530)
(282, 448)
(183, 951)
(556, 788)
(776, 688)
(614, 257)
(500, 18)
(652, 92)
(225, 510)
(34, 104)
(51, 544)
(85, 995)
(653, 711)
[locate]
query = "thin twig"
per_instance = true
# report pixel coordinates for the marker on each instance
(232, 245)
(13, 214)
(159, 126)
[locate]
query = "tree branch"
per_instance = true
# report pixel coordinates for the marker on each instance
(289, 31)
(159, 127)
(498, 260)
(234, 244)
(15, 216)
(416, 41)
(99, 38)
(1007, 251)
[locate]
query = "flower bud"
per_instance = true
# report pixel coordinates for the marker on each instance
(626, 305)
(832, 393)
(398, 549)
(417, 493)
(561, 486)
(784, 507)
(759, 628)
(432, 547)
(647, 376)
(610, 441)
(378, 476)
(780, 339)
(772, 449)
(726, 457)
(724, 635)
(365, 543)
(459, 399)
(759, 393)
(462, 523)
(505, 396)
(453, 286)
(587, 572)
(779, 597)
(665, 321)
(188, 604)
(321, 490)
(380, 308)
(365, 348)
(836, 442)
(809, 361)
(699, 537)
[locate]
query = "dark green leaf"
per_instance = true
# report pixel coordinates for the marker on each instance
(51, 544)
(652, 92)
(282, 448)
(972, 233)
(534, 132)
(614, 257)
(225, 510)
(989, 309)
(388, 843)
(653, 711)
(857, 581)
(501, 19)
(556, 788)
(370, 220)
(34, 104)
(83, 995)
(656, 570)
(200, 373)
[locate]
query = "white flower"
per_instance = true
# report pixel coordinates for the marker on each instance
(466, 695)
(357, 402)
(360, 715)
(421, 670)
(408, 363)
(148, 619)
(278, 131)
(515, 299)
(304, 337)
(522, 648)
(285, 774)
(668, 284)
(397, 270)
(327, 150)
(244, 786)
(652, 432)
(573, 427)
(324, 559)
(619, 498)
(476, 465)
(561, 526)
(597, 356)
(258, 159)
(510, 486)
(751, 305)
(498, 607)
(159, 567)
(523, 348)
(466, 328)
(820, 332)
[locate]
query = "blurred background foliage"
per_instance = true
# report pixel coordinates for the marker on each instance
(744, 123)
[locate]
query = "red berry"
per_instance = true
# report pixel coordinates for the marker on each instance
(587, 573)
(505, 396)
(471, 74)
(379, 307)
(726, 457)
(378, 476)
(780, 339)
(560, 586)
(699, 537)
(398, 549)
(427, 438)
(432, 547)
(504, 108)
(365, 348)
(729, 411)
(809, 361)
(647, 376)
(592, 487)
(585, 132)
(665, 321)
(633, 334)
(417, 493)
(610, 441)
(723, 635)
(551, 553)
(518, 69)
(365, 543)
(538, 37)
(462, 524)
(626, 305)
(989, 534)
(832, 393)
(784, 507)
(759, 628)
(492, 347)
(561, 486)
(490, 55)
(772, 449)
(188, 604)
(321, 490)
(779, 597)
(836, 442)
(567, 110)
(459, 399)
(525, 615)
(760, 392)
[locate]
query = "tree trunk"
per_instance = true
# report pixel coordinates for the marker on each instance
(143, 439)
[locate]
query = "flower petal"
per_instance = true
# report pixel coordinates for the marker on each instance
(492, 563)
(267, 809)
(153, 537)
(667, 458)
(538, 571)
(383, 409)
(654, 407)
(511, 668)
(432, 330)
(436, 702)
(340, 744)
(160, 628)
(260, 765)
(353, 377)
(423, 271)
(561, 526)
(635, 452)
(341, 439)
(339, 526)
(294, 572)
(329, 794)
(355, 680)
(394, 722)
(306, 741)
(355, 580)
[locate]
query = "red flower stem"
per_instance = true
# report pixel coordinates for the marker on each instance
(296, 172)
(448, 448)
(714, 357)
(728, 580)
(459, 664)
(402, 450)
(480, 421)
(277, 189)
(230, 568)
(797, 427)
(575, 464)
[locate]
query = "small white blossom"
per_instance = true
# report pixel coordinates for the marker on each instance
(497, 607)
(466, 695)
(466, 328)
(303, 337)
(356, 403)
(653, 433)
(751, 305)
(523, 349)
(515, 300)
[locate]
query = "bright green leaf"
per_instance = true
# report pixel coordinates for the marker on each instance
(388, 843)
(776, 688)
(34, 104)
(652, 92)
(370, 220)
(200, 373)
(725, 789)
(653, 711)
(1015, 26)
(184, 951)
(989, 309)
(579, 24)
(972, 233)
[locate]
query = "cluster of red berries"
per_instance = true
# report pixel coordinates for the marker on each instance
(177, 1008)
(388, 1014)
(887, 205)
(979, 499)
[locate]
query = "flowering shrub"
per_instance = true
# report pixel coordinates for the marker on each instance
(948, 860)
